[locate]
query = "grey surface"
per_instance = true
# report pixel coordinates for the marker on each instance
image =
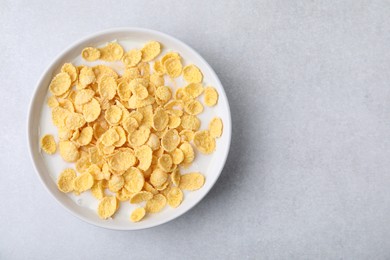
(308, 175)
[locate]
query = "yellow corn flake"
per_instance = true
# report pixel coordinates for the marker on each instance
(140, 92)
(71, 70)
(134, 180)
(102, 71)
(193, 107)
(116, 183)
(160, 119)
(187, 135)
(156, 204)
(66, 104)
(153, 142)
(107, 87)
(68, 151)
(181, 95)
(94, 156)
(156, 80)
(165, 162)
(124, 91)
(83, 96)
(173, 67)
(82, 164)
(65, 180)
(134, 102)
(158, 68)
(141, 197)
(52, 102)
(188, 151)
(75, 135)
(83, 182)
(175, 177)
(170, 140)
(90, 54)
(215, 127)
(74, 121)
(174, 197)
(123, 194)
(147, 115)
(91, 110)
(170, 55)
(85, 136)
(192, 74)
(137, 214)
(150, 51)
(174, 121)
(113, 115)
(111, 52)
(64, 134)
(158, 177)
(210, 96)
(137, 115)
(107, 207)
(190, 122)
(191, 181)
(110, 137)
(130, 124)
(122, 136)
(60, 84)
(86, 77)
(148, 187)
(97, 190)
(132, 58)
(193, 90)
(139, 137)
(163, 93)
(177, 156)
(96, 172)
(144, 156)
(58, 115)
(204, 142)
(48, 144)
(121, 161)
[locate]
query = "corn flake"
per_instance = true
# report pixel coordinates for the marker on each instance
(156, 204)
(170, 140)
(191, 181)
(137, 214)
(107, 207)
(111, 52)
(141, 197)
(150, 51)
(139, 137)
(91, 110)
(144, 156)
(134, 180)
(48, 144)
(215, 127)
(68, 151)
(90, 54)
(60, 84)
(192, 74)
(83, 182)
(132, 58)
(204, 142)
(65, 180)
(173, 67)
(174, 197)
(210, 96)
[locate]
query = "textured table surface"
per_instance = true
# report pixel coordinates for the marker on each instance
(308, 175)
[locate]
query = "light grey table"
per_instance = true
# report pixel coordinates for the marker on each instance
(308, 175)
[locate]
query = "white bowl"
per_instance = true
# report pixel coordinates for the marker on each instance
(48, 167)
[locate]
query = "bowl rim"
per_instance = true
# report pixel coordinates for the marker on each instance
(227, 125)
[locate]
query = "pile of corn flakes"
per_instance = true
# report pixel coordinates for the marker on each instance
(129, 135)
